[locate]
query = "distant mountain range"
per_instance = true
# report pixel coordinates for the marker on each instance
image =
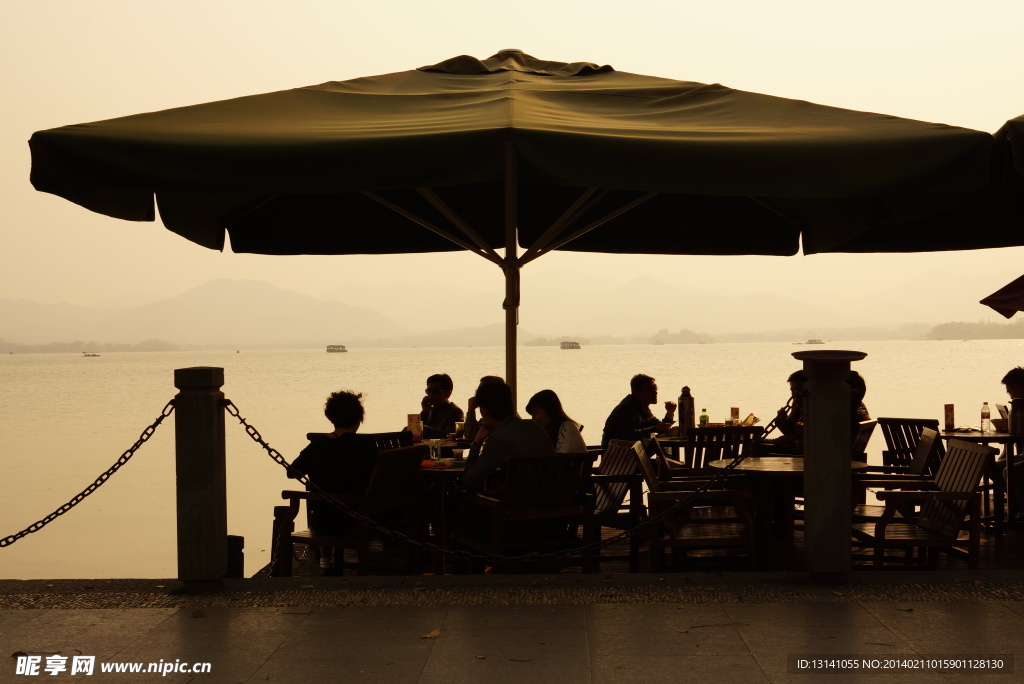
(255, 314)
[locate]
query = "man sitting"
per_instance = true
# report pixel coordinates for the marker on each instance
(632, 418)
(439, 415)
(510, 435)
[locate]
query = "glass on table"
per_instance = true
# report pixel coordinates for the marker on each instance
(435, 449)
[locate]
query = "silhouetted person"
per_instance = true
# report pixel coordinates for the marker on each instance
(546, 408)
(632, 418)
(439, 414)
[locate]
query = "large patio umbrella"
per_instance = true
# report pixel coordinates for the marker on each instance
(516, 152)
(1009, 299)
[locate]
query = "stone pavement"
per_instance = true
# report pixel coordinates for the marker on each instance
(565, 628)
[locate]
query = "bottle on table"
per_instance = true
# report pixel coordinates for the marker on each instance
(685, 411)
(986, 418)
(703, 417)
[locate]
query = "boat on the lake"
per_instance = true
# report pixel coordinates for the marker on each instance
(84, 354)
(335, 348)
(570, 345)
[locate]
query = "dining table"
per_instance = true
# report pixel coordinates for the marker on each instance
(777, 482)
(1014, 444)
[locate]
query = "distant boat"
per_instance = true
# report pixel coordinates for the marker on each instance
(570, 345)
(84, 354)
(812, 340)
(335, 348)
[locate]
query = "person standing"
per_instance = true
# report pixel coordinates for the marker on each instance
(632, 419)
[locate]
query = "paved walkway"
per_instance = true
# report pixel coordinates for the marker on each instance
(535, 629)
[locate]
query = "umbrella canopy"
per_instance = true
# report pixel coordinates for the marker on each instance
(1009, 300)
(515, 152)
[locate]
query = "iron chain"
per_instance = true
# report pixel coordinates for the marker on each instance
(124, 458)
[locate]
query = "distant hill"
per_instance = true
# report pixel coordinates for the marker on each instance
(233, 313)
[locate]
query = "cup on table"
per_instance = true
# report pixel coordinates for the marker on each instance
(435, 449)
(460, 428)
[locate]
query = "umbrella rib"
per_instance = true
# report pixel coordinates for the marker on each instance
(457, 221)
(486, 253)
(569, 216)
(591, 226)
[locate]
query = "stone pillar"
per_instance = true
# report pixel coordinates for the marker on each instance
(201, 477)
(827, 450)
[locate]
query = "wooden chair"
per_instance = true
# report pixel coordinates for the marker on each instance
(901, 438)
(918, 469)
(392, 499)
(540, 507)
(688, 528)
(618, 475)
(950, 498)
(380, 440)
(861, 437)
(707, 444)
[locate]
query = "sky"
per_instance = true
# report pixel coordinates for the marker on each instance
(69, 62)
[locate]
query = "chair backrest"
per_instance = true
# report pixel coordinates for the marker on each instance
(379, 440)
(545, 481)
(901, 438)
(960, 471)
(617, 459)
(646, 465)
(707, 444)
(925, 460)
(396, 472)
(860, 440)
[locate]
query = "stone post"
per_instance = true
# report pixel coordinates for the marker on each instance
(827, 450)
(201, 476)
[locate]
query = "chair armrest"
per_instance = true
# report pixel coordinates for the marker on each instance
(914, 484)
(617, 478)
(906, 496)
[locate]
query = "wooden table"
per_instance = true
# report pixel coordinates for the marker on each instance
(778, 480)
(1014, 445)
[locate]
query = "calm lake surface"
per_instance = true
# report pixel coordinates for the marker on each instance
(65, 419)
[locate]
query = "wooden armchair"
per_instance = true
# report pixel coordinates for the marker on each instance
(945, 502)
(540, 508)
(716, 521)
(392, 499)
(704, 445)
(618, 475)
(901, 438)
(916, 470)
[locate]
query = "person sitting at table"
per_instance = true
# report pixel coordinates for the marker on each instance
(1013, 381)
(439, 414)
(564, 432)
(473, 425)
(790, 421)
(509, 435)
(339, 463)
(632, 418)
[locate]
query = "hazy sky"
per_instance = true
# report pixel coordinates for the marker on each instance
(67, 61)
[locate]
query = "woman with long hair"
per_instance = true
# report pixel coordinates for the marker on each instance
(545, 408)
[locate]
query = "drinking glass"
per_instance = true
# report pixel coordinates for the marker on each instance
(435, 449)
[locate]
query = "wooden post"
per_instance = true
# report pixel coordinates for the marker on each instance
(827, 450)
(201, 477)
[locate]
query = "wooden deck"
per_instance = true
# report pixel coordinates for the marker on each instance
(997, 553)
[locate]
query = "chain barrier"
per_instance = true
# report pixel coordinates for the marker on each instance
(463, 554)
(125, 457)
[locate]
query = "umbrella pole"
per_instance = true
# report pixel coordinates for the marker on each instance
(511, 268)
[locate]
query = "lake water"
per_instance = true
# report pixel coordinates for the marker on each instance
(65, 419)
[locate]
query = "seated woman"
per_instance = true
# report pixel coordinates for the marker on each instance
(545, 408)
(340, 463)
